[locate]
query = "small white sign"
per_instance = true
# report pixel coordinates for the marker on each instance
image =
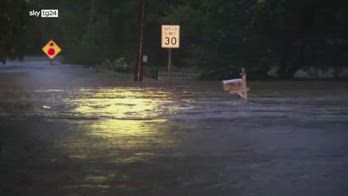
(170, 36)
(51, 13)
(145, 58)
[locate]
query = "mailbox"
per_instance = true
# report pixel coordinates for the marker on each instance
(237, 86)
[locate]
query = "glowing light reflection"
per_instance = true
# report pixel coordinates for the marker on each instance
(131, 123)
(121, 103)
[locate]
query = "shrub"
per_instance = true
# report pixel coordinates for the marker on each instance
(117, 65)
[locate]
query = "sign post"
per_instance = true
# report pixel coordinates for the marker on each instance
(51, 49)
(170, 38)
(169, 65)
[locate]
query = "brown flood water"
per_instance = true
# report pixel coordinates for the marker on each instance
(66, 130)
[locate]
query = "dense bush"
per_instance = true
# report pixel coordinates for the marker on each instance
(117, 65)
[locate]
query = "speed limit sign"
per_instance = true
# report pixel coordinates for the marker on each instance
(170, 36)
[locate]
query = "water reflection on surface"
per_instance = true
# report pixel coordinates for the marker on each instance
(122, 103)
(129, 122)
(188, 140)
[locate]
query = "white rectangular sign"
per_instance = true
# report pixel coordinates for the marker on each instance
(170, 36)
(49, 13)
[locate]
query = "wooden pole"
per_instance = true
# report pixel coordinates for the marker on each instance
(244, 85)
(139, 62)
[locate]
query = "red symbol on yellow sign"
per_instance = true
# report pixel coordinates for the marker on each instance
(51, 49)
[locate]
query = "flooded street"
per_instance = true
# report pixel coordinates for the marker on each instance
(69, 130)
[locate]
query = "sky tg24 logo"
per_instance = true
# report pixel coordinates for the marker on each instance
(45, 13)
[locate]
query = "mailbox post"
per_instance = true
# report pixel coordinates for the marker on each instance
(237, 86)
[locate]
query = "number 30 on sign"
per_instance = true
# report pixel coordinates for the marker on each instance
(170, 36)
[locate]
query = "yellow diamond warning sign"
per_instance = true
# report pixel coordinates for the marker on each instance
(51, 49)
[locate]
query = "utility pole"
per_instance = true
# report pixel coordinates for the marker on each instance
(138, 72)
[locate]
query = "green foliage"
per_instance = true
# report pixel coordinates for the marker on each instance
(218, 73)
(257, 34)
(12, 25)
(301, 33)
(118, 65)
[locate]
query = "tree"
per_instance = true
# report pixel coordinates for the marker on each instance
(12, 24)
(301, 33)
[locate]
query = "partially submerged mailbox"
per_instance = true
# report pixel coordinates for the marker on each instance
(237, 86)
